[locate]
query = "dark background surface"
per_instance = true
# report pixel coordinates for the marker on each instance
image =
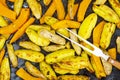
(115, 75)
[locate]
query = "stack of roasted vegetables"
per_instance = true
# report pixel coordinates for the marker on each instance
(57, 58)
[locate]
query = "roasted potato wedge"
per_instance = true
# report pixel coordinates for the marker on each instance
(30, 55)
(87, 26)
(73, 77)
(29, 45)
(59, 55)
(52, 37)
(34, 71)
(37, 39)
(73, 63)
(35, 7)
(118, 44)
(60, 70)
(12, 56)
(52, 48)
(18, 6)
(76, 47)
(106, 35)
(5, 69)
(47, 70)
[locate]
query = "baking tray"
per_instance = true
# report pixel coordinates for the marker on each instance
(115, 75)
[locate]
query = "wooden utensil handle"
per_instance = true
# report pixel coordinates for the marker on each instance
(114, 63)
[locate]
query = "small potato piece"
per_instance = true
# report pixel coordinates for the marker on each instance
(52, 37)
(47, 71)
(73, 77)
(5, 69)
(47, 2)
(60, 70)
(108, 30)
(2, 41)
(12, 56)
(118, 44)
(76, 47)
(51, 48)
(59, 55)
(30, 55)
(35, 38)
(34, 71)
(29, 45)
(18, 6)
(35, 8)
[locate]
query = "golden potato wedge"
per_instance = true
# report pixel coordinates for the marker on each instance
(12, 56)
(47, 70)
(76, 47)
(35, 7)
(38, 27)
(3, 22)
(73, 77)
(30, 55)
(29, 45)
(59, 55)
(5, 69)
(33, 70)
(87, 26)
(60, 70)
(52, 48)
(73, 63)
(52, 37)
(118, 44)
(37, 39)
(2, 41)
(106, 35)
(18, 6)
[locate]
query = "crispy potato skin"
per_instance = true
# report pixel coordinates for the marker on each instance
(30, 55)
(29, 45)
(5, 69)
(59, 55)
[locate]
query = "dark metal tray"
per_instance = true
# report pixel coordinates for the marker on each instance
(115, 75)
